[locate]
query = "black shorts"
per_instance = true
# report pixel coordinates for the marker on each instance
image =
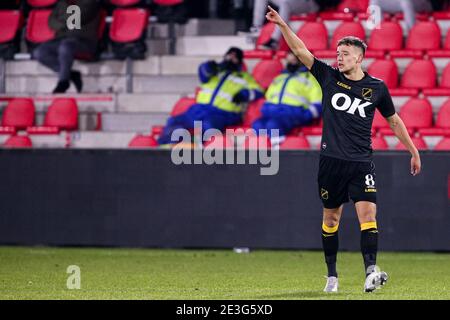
(340, 179)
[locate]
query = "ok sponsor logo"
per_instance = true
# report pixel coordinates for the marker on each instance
(342, 102)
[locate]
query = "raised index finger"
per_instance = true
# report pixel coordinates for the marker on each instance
(271, 9)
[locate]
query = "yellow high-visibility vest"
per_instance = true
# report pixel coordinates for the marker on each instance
(298, 90)
(221, 88)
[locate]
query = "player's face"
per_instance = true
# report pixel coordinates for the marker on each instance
(348, 58)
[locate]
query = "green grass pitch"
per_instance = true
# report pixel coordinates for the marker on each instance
(41, 273)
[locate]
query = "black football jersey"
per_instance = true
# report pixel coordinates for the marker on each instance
(348, 111)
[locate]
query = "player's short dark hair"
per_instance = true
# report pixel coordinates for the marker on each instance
(353, 41)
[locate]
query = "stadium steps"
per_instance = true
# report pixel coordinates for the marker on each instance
(167, 65)
(182, 85)
(132, 122)
(194, 27)
(80, 139)
(211, 45)
(99, 139)
(146, 102)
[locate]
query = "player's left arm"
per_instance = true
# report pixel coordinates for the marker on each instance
(399, 129)
(387, 109)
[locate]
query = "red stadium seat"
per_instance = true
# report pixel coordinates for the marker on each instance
(312, 130)
(19, 113)
(304, 17)
(389, 36)
(128, 25)
(253, 112)
(443, 145)
(141, 141)
(388, 131)
(18, 142)
(313, 34)
(37, 30)
(167, 2)
(124, 3)
(266, 70)
(417, 113)
(295, 142)
(447, 41)
(419, 74)
(424, 36)
(445, 80)
(445, 51)
(182, 105)
(420, 16)
(418, 142)
(258, 54)
(335, 15)
(41, 3)
(379, 121)
(443, 116)
(265, 34)
(7, 130)
(10, 22)
(386, 70)
(220, 142)
(378, 143)
(62, 113)
(353, 5)
(406, 53)
(441, 15)
(347, 29)
(157, 130)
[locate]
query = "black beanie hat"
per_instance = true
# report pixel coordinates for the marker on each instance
(239, 53)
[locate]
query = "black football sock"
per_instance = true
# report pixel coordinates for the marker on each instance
(330, 241)
(369, 244)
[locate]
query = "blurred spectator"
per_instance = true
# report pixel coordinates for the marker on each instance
(59, 54)
(286, 9)
(408, 7)
(293, 99)
(177, 13)
(9, 4)
(197, 8)
(239, 10)
(439, 5)
(225, 90)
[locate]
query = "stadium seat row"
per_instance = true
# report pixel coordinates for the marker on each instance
(128, 25)
(387, 38)
(117, 3)
(419, 75)
(19, 114)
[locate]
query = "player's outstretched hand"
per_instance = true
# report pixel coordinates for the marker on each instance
(273, 16)
(415, 165)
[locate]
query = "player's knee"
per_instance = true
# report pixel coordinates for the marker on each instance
(367, 217)
(331, 221)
